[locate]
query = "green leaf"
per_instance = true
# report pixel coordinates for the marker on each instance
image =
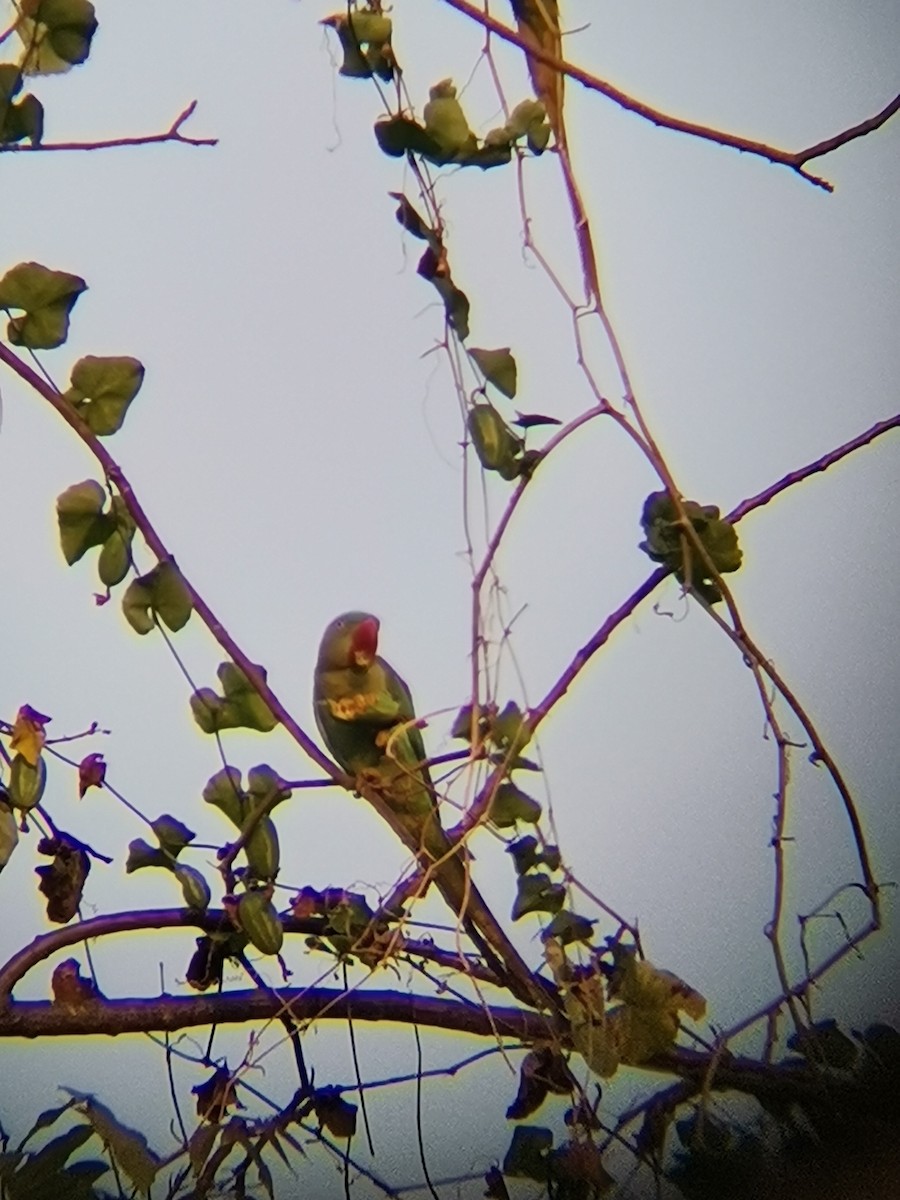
(445, 121)
(26, 782)
(456, 305)
(594, 1031)
(497, 447)
(223, 790)
(40, 1175)
(399, 136)
(462, 724)
(527, 854)
(529, 420)
(46, 297)
(365, 37)
(525, 116)
(668, 542)
(537, 893)
(114, 560)
(551, 857)
(510, 804)
(240, 707)
(172, 834)
(24, 119)
(527, 1153)
(102, 389)
(56, 34)
(9, 833)
(721, 540)
(569, 927)
(498, 367)
(510, 730)
(370, 28)
(45, 1119)
(141, 854)
(161, 591)
(200, 1144)
(193, 886)
(486, 156)
(82, 522)
(245, 701)
(211, 712)
(334, 1112)
(530, 118)
(10, 81)
(79, 1178)
(538, 137)
(433, 267)
(128, 1147)
(262, 783)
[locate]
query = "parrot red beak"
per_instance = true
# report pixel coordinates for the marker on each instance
(364, 642)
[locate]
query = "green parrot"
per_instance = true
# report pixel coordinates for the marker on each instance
(365, 714)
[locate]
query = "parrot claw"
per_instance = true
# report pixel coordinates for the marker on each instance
(367, 779)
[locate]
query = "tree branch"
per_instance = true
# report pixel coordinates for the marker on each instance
(794, 159)
(523, 979)
(820, 464)
(171, 1013)
(172, 134)
(157, 546)
(211, 921)
(43, 1018)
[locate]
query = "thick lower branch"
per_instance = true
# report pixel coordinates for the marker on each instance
(31, 1019)
(42, 1018)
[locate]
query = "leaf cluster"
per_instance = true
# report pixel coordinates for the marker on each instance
(55, 35)
(249, 812)
(48, 1174)
(172, 836)
(434, 266)
(239, 707)
(668, 542)
(365, 38)
(498, 447)
(348, 921)
(445, 138)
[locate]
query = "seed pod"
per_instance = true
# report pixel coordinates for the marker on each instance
(260, 922)
(262, 849)
(193, 885)
(26, 782)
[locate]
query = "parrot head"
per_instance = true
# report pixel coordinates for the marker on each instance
(349, 642)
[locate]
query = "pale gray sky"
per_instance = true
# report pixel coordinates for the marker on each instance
(296, 446)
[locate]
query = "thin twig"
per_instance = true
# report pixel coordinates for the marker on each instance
(172, 134)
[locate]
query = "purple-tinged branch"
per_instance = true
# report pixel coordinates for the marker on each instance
(794, 159)
(172, 134)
